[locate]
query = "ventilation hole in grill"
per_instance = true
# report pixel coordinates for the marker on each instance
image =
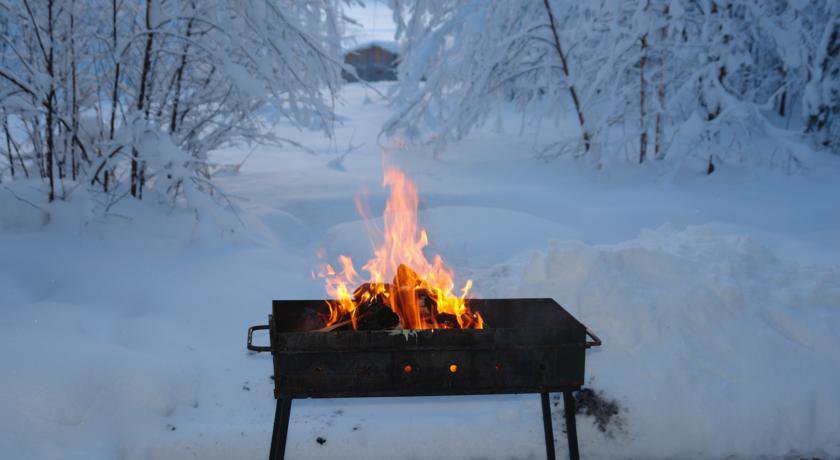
(453, 368)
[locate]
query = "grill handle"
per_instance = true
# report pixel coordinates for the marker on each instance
(596, 342)
(251, 346)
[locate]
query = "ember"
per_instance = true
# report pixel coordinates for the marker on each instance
(418, 294)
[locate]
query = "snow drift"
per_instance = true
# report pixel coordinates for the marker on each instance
(713, 345)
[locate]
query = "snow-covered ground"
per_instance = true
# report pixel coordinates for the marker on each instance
(717, 297)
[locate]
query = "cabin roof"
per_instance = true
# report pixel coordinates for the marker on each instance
(390, 46)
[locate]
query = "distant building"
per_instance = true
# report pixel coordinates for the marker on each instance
(373, 61)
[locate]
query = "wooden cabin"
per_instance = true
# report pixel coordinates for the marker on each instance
(373, 61)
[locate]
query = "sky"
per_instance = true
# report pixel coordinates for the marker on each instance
(375, 22)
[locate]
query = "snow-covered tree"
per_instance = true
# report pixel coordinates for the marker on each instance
(463, 58)
(637, 76)
(127, 98)
(821, 98)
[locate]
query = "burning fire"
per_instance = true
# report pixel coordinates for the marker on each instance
(401, 279)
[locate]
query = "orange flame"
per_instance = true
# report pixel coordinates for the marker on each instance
(418, 291)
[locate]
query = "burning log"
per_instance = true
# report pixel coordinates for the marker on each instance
(376, 314)
(373, 311)
(402, 304)
(378, 317)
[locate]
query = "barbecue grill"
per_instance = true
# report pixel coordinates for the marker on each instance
(528, 346)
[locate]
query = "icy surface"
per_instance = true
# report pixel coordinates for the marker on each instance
(717, 298)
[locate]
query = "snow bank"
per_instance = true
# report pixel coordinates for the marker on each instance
(713, 346)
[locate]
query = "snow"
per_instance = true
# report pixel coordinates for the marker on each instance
(714, 329)
(717, 298)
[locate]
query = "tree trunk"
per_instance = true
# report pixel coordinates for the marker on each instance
(137, 178)
(115, 93)
(587, 138)
(657, 149)
(49, 105)
(179, 76)
(782, 101)
(74, 166)
(660, 91)
(643, 137)
(8, 145)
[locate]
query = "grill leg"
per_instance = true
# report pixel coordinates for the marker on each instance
(281, 428)
(571, 427)
(549, 431)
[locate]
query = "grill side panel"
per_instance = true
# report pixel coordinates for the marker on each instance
(428, 372)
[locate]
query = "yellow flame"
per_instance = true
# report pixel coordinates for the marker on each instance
(399, 273)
